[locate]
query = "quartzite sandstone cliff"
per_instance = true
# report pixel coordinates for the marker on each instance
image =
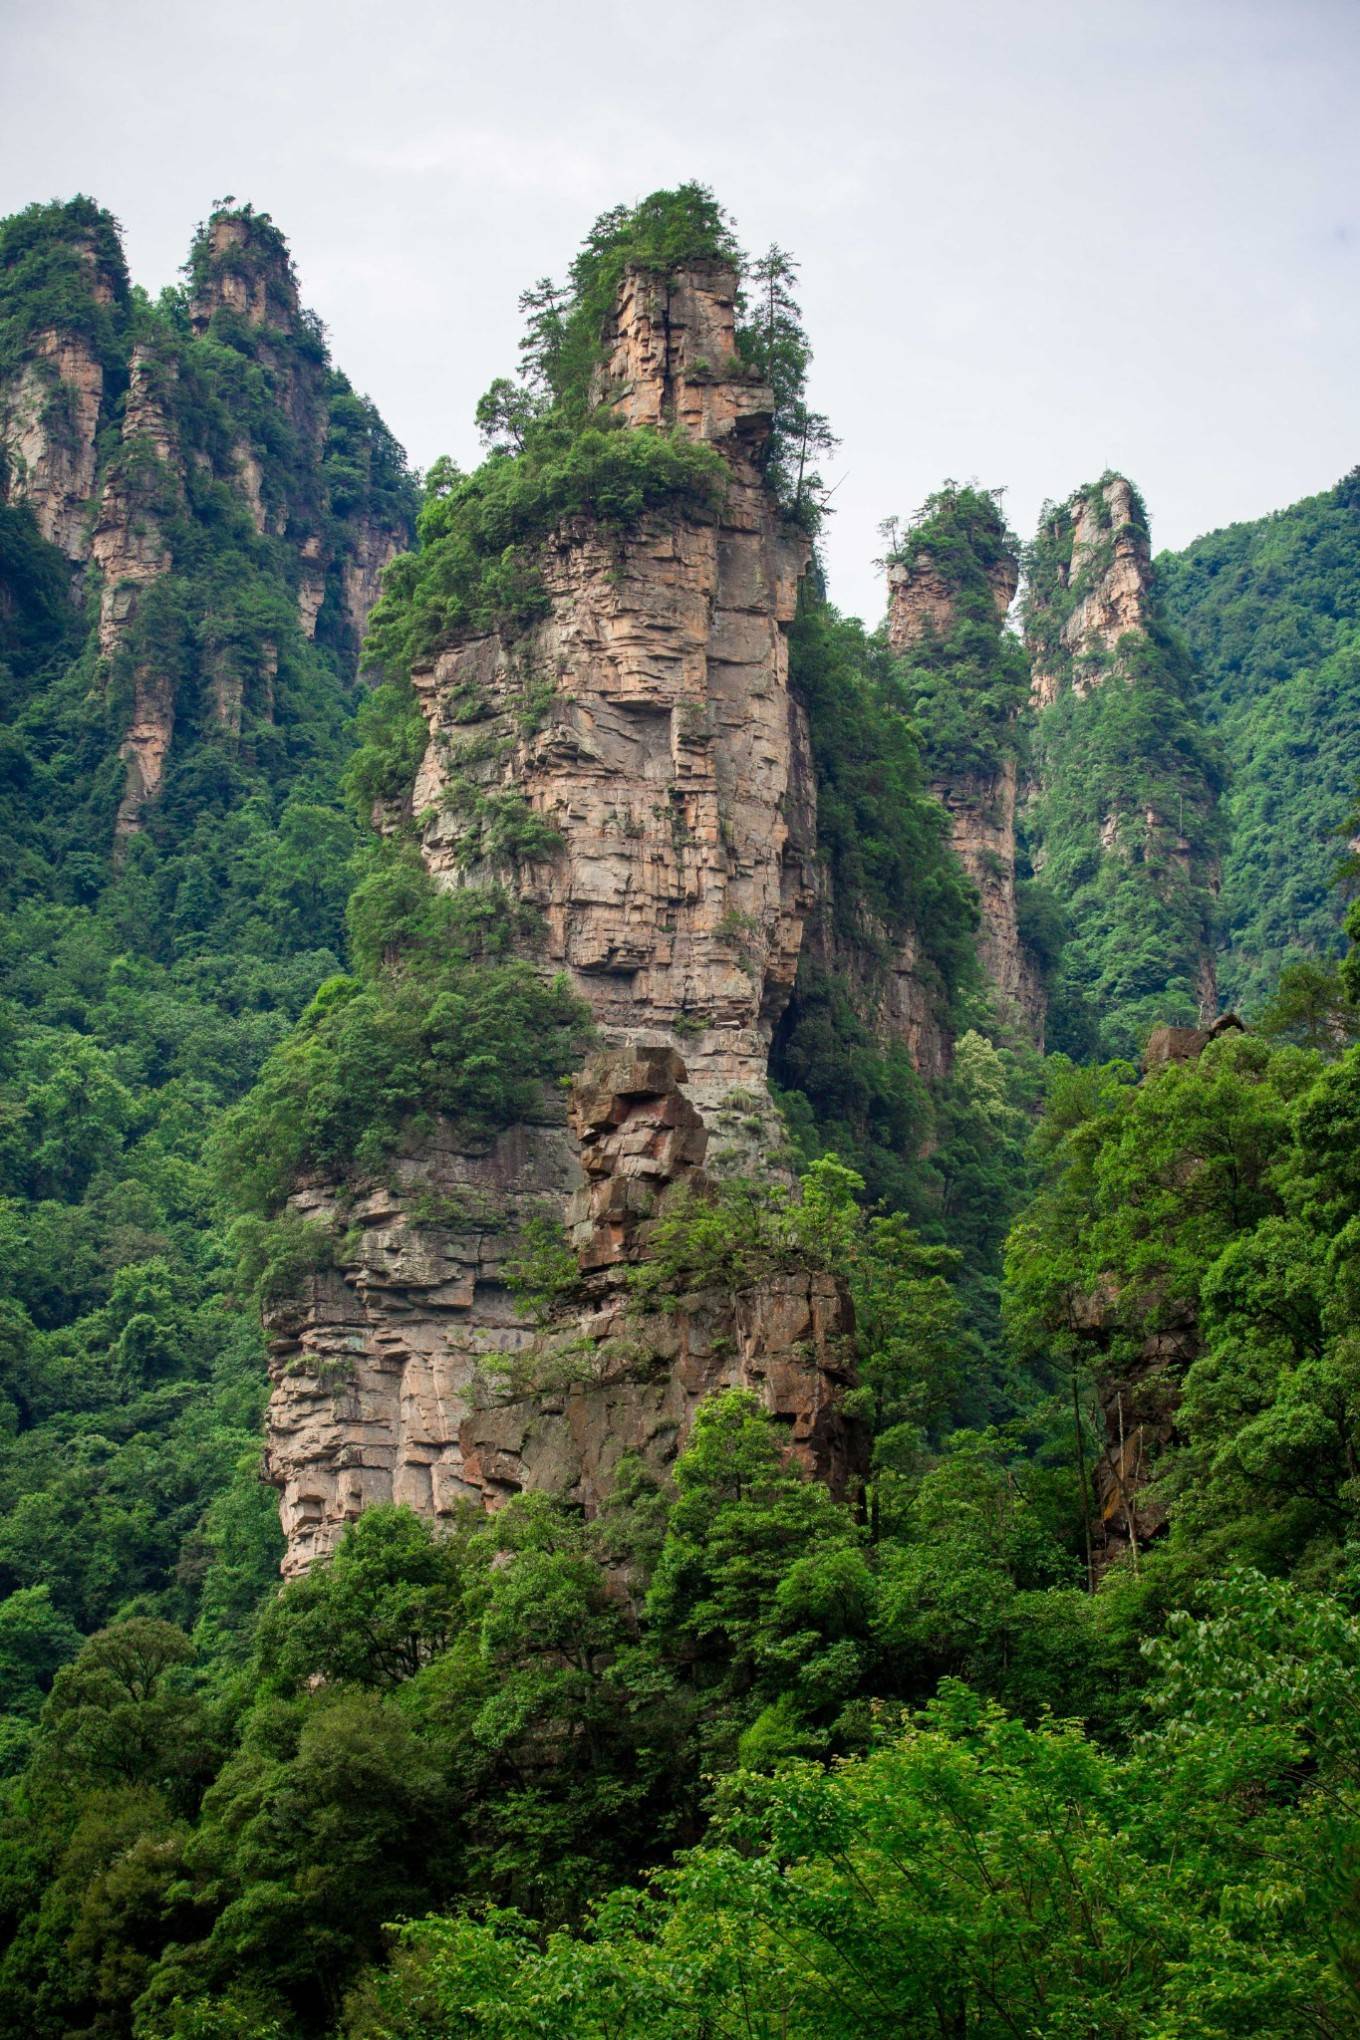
(1091, 627)
(1109, 564)
(647, 722)
(922, 601)
(112, 514)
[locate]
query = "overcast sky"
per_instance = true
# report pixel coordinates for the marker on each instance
(1037, 238)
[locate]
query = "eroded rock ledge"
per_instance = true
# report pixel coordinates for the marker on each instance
(411, 1373)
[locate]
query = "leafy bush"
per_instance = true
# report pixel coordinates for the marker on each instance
(474, 1042)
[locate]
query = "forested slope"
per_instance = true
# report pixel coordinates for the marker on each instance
(1272, 611)
(157, 939)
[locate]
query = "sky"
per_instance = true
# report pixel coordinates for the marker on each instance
(1037, 239)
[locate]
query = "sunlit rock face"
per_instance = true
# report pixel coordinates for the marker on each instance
(664, 750)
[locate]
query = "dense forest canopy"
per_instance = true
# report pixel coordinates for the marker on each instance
(1272, 612)
(1047, 1724)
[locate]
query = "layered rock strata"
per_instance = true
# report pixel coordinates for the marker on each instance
(414, 1374)
(49, 425)
(633, 767)
(647, 722)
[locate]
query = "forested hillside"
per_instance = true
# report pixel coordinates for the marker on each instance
(158, 938)
(802, 1514)
(1272, 611)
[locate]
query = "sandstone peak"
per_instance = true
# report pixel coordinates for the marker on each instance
(960, 564)
(1104, 570)
(671, 357)
(239, 263)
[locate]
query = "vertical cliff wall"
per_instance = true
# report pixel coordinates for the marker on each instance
(950, 587)
(205, 448)
(631, 768)
(64, 289)
(646, 722)
(1121, 814)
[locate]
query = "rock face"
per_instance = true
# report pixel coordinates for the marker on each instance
(49, 426)
(1109, 565)
(1094, 622)
(413, 1374)
(923, 598)
(373, 547)
(633, 767)
(114, 513)
(647, 721)
(127, 544)
(1137, 1403)
(922, 606)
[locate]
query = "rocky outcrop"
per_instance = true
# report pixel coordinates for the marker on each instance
(923, 603)
(112, 501)
(1094, 621)
(981, 809)
(1137, 1402)
(129, 548)
(633, 768)
(1186, 1044)
(923, 598)
(127, 544)
(413, 1373)
(145, 747)
(242, 274)
(646, 726)
(1107, 573)
(49, 426)
(52, 407)
(373, 547)
(900, 1001)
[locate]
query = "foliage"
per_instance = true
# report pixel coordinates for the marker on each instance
(883, 838)
(1271, 610)
(1124, 824)
(1218, 1193)
(557, 452)
(141, 992)
(699, 1761)
(49, 257)
(475, 569)
(967, 682)
(773, 341)
(428, 1028)
(969, 1874)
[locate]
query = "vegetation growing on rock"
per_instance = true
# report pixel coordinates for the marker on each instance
(1040, 1716)
(1272, 612)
